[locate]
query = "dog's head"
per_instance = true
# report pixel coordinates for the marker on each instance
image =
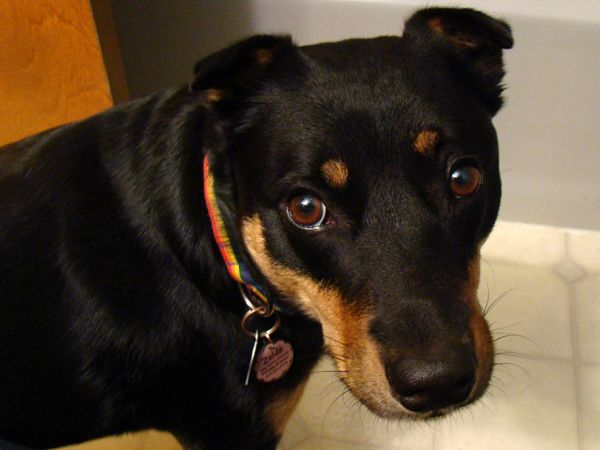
(365, 179)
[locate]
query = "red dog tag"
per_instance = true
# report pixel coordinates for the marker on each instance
(273, 361)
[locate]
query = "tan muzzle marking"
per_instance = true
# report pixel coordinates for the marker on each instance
(480, 332)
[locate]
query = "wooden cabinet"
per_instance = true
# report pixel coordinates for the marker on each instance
(51, 66)
(150, 440)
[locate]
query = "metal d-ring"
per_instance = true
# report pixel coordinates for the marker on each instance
(266, 307)
(261, 311)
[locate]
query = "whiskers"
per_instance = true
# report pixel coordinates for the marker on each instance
(332, 350)
(489, 306)
(336, 341)
(344, 408)
(499, 336)
(341, 355)
(507, 359)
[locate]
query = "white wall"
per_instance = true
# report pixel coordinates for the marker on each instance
(549, 130)
(586, 10)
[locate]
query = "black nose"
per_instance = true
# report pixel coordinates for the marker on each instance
(432, 383)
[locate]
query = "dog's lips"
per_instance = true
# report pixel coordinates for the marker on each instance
(362, 369)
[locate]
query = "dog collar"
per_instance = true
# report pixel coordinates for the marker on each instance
(231, 252)
(275, 358)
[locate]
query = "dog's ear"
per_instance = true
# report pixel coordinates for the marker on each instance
(474, 37)
(226, 84)
(224, 79)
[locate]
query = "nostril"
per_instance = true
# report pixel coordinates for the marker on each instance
(465, 382)
(424, 385)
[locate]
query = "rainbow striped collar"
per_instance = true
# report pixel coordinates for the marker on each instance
(230, 251)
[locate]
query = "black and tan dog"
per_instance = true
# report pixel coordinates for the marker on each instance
(359, 179)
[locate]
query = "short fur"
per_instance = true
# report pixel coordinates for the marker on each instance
(116, 311)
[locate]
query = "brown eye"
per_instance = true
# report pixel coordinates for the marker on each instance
(306, 211)
(465, 180)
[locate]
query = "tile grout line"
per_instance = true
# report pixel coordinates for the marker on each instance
(575, 347)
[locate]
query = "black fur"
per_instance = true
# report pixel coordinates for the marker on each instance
(116, 311)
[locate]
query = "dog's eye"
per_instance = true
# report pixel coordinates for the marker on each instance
(306, 211)
(465, 180)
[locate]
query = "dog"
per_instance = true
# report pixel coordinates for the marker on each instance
(181, 262)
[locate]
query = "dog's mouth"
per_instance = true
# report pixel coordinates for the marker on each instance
(428, 389)
(365, 376)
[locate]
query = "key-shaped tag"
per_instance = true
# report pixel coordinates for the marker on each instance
(252, 356)
(273, 361)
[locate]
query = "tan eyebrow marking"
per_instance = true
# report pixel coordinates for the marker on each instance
(426, 142)
(335, 173)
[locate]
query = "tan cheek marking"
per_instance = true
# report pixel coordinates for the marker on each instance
(346, 328)
(289, 282)
(335, 173)
(480, 332)
(365, 372)
(426, 142)
(473, 282)
(279, 411)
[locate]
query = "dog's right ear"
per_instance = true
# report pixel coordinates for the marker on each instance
(475, 38)
(226, 78)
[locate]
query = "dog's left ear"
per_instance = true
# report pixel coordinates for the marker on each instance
(224, 79)
(226, 84)
(474, 37)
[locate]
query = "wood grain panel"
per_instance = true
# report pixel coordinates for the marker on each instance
(149, 440)
(51, 68)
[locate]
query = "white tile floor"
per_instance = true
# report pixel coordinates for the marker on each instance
(546, 397)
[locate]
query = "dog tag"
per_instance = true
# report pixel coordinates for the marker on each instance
(273, 361)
